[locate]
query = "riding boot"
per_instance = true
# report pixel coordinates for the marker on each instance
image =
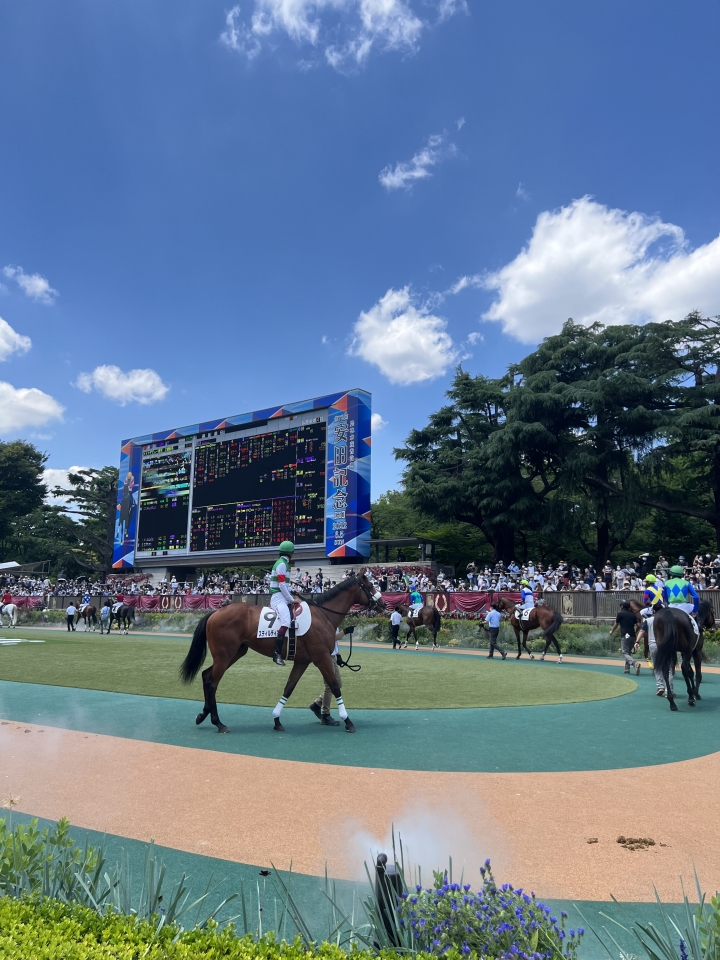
(279, 639)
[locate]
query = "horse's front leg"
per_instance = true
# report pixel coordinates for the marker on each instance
(516, 628)
(298, 669)
(525, 635)
(325, 666)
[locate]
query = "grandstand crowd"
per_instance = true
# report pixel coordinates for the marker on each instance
(703, 573)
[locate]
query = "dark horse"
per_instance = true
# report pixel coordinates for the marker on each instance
(705, 618)
(124, 616)
(674, 634)
(426, 617)
(541, 618)
(232, 631)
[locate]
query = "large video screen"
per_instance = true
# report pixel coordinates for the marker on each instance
(299, 472)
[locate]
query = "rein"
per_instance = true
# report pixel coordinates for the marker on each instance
(349, 632)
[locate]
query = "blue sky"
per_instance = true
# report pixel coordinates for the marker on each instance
(208, 208)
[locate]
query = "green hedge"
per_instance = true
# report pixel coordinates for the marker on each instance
(49, 930)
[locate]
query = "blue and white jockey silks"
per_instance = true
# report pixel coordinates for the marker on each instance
(86, 600)
(527, 600)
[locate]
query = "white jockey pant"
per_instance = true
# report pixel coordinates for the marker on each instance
(280, 606)
(687, 607)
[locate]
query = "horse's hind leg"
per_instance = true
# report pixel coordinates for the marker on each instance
(298, 669)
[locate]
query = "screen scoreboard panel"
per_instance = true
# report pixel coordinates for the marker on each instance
(240, 486)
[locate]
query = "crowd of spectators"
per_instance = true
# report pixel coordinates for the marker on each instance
(703, 573)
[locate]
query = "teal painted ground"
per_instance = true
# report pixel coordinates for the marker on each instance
(225, 878)
(634, 730)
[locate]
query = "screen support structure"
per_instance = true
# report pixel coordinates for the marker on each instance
(229, 490)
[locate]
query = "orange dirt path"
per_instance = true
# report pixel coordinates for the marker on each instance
(535, 827)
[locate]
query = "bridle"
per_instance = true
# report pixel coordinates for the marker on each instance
(372, 601)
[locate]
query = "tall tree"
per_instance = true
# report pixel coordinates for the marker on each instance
(21, 483)
(93, 498)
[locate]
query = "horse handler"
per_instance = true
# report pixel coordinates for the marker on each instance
(321, 706)
(493, 618)
(627, 621)
(395, 621)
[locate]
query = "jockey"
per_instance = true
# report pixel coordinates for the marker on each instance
(416, 600)
(527, 600)
(7, 598)
(679, 594)
(653, 594)
(280, 597)
(85, 601)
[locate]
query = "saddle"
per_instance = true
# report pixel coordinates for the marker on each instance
(269, 627)
(525, 614)
(414, 614)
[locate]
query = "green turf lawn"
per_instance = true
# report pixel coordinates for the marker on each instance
(388, 680)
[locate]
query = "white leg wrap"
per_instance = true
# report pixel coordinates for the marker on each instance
(278, 709)
(341, 708)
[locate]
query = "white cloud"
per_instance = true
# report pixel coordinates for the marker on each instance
(140, 386)
(460, 122)
(11, 341)
(475, 337)
(404, 174)
(25, 407)
(377, 423)
(593, 263)
(35, 286)
(345, 32)
(404, 340)
(462, 283)
(53, 477)
(521, 192)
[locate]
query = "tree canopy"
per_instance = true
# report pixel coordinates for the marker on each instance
(588, 437)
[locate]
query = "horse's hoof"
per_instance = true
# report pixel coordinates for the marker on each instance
(349, 726)
(518, 656)
(691, 703)
(542, 657)
(278, 725)
(673, 705)
(200, 717)
(532, 656)
(221, 728)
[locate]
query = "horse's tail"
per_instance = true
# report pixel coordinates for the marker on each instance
(197, 652)
(555, 624)
(436, 619)
(666, 656)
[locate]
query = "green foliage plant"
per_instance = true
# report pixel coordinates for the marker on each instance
(699, 939)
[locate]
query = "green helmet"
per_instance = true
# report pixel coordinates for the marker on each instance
(677, 571)
(286, 548)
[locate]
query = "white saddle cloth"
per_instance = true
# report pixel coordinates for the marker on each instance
(525, 613)
(414, 612)
(268, 625)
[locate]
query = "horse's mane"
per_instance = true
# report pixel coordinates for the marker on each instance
(336, 590)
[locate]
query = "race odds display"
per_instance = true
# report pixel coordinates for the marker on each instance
(237, 487)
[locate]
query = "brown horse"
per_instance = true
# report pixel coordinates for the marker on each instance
(232, 631)
(88, 615)
(427, 617)
(541, 618)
